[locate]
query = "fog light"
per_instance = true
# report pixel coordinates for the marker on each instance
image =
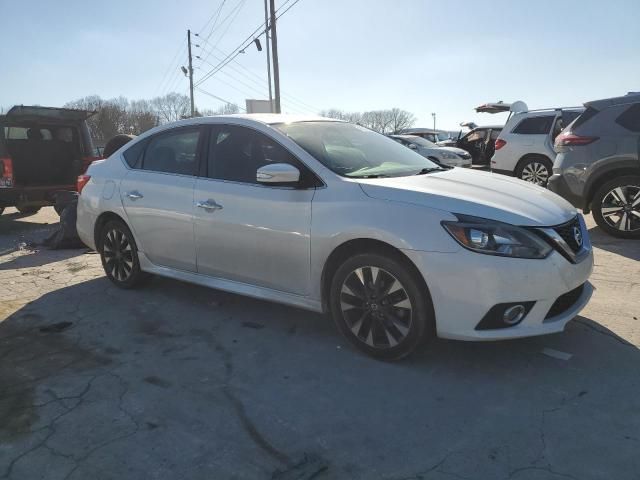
(513, 315)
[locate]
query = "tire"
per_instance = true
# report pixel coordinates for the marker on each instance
(119, 255)
(366, 316)
(535, 169)
(28, 210)
(615, 215)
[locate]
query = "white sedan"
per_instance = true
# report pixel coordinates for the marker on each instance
(450, 156)
(329, 216)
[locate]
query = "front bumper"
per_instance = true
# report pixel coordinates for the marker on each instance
(558, 185)
(465, 285)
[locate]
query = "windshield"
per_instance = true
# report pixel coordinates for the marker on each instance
(443, 136)
(354, 151)
(423, 142)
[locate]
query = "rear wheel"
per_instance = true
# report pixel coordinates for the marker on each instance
(535, 169)
(28, 210)
(380, 306)
(616, 207)
(119, 255)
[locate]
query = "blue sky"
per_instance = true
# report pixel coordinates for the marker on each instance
(420, 55)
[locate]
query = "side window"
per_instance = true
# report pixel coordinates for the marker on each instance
(133, 154)
(236, 153)
(476, 136)
(630, 118)
(173, 152)
(535, 125)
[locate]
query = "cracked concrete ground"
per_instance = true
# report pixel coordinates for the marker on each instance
(178, 381)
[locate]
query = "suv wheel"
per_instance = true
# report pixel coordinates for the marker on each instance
(535, 169)
(119, 255)
(616, 207)
(380, 306)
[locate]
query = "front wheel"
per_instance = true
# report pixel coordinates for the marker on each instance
(381, 306)
(616, 207)
(119, 255)
(536, 170)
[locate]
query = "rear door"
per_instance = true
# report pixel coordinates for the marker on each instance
(157, 195)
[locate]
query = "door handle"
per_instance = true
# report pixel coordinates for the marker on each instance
(209, 205)
(134, 195)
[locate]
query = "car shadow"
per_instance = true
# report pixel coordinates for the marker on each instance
(624, 247)
(180, 360)
(37, 256)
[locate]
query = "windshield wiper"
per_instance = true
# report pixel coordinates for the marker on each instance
(429, 170)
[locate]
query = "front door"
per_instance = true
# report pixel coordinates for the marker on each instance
(249, 232)
(158, 198)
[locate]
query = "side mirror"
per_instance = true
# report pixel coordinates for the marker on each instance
(282, 173)
(413, 146)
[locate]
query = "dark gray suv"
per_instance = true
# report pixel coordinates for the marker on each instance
(598, 164)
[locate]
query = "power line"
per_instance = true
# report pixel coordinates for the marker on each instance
(245, 44)
(164, 77)
(219, 98)
(214, 14)
(256, 79)
(234, 11)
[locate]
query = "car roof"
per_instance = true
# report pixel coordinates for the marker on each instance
(272, 118)
(407, 137)
(487, 127)
(631, 97)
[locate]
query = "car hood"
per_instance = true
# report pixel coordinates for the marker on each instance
(480, 194)
(457, 151)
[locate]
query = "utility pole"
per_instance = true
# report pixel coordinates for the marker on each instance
(274, 46)
(266, 31)
(190, 74)
(434, 120)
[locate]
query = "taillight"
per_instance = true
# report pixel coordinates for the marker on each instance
(86, 161)
(82, 181)
(572, 140)
(6, 172)
(500, 143)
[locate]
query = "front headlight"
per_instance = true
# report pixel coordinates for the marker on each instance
(448, 155)
(496, 238)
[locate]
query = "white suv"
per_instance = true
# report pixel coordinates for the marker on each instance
(524, 148)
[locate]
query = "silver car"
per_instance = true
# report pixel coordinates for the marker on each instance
(451, 156)
(333, 217)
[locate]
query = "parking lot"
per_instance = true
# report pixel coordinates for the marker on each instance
(179, 381)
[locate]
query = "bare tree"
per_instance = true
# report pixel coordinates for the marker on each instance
(401, 119)
(226, 109)
(383, 121)
(142, 116)
(171, 107)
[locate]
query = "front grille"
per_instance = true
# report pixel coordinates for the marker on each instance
(565, 302)
(566, 231)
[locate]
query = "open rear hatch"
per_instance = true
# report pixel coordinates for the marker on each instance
(28, 113)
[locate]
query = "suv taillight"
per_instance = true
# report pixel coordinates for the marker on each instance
(82, 181)
(569, 139)
(6, 172)
(500, 143)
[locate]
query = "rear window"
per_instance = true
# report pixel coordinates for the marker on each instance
(23, 133)
(64, 134)
(630, 118)
(587, 115)
(535, 125)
